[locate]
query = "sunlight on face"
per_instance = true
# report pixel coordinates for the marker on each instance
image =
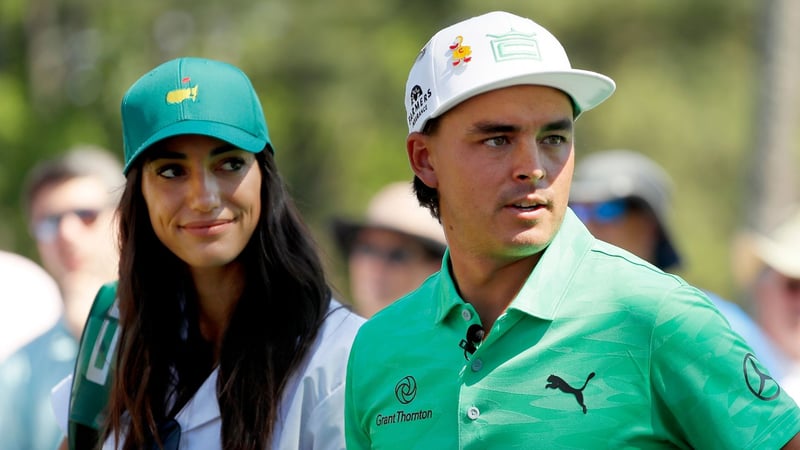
(204, 198)
(502, 163)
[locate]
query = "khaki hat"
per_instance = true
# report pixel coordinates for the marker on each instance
(781, 249)
(394, 208)
(620, 174)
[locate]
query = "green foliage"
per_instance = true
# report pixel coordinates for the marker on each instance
(332, 77)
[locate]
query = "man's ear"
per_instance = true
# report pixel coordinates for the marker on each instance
(419, 157)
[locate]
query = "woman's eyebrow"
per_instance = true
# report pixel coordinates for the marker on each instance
(223, 148)
(162, 153)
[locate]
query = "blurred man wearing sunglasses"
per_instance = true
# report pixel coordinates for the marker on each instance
(771, 283)
(391, 251)
(623, 197)
(69, 203)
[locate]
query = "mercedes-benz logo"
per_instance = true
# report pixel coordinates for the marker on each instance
(406, 390)
(758, 381)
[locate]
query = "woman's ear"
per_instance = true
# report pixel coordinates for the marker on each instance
(420, 158)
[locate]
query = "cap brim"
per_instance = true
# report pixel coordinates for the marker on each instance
(593, 192)
(235, 136)
(345, 232)
(778, 257)
(587, 89)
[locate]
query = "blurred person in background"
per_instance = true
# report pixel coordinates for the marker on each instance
(623, 197)
(69, 203)
(392, 250)
(30, 303)
(768, 267)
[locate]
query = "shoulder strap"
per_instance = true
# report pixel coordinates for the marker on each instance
(91, 382)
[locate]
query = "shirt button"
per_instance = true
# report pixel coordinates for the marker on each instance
(477, 365)
(466, 314)
(473, 413)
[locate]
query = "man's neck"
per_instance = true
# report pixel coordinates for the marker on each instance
(490, 285)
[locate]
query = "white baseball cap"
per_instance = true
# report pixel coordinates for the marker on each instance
(493, 51)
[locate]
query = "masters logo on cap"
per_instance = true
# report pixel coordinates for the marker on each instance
(192, 96)
(493, 51)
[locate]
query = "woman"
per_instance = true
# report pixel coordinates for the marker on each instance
(228, 336)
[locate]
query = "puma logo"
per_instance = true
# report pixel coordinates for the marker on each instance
(556, 382)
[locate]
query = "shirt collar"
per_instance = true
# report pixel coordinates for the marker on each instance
(547, 284)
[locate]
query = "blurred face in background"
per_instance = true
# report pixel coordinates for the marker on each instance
(72, 222)
(776, 300)
(623, 223)
(384, 265)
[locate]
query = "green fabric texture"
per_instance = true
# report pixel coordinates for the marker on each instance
(93, 367)
(598, 350)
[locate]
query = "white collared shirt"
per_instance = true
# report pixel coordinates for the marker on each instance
(311, 414)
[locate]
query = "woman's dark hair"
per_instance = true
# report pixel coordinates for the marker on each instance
(427, 196)
(163, 359)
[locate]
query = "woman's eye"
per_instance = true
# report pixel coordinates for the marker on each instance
(233, 164)
(169, 171)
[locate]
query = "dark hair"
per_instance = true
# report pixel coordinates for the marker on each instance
(427, 196)
(161, 353)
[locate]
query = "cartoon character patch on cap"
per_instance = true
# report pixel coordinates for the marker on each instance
(461, 53)
(179, 95)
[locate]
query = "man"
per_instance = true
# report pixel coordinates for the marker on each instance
(534, 334)
(69, 203)
(30, 303)
(773, 290)
(623, 198)
(391, 251)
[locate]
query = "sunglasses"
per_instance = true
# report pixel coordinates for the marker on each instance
(398, 256)
(46, 228)
(601, 212)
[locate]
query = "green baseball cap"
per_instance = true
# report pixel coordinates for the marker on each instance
(192, 96)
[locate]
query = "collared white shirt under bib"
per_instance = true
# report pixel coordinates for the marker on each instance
(312, 405)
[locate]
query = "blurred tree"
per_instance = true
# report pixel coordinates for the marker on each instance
(332, 76)
(772, 164)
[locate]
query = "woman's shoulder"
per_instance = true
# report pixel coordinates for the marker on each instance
(341, 323)
(331, 347)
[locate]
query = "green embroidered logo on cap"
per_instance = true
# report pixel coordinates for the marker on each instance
(515, 45)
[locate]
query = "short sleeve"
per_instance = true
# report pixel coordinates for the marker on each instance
(709, 389)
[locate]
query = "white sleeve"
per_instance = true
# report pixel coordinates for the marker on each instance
(59, 400)
(326, 424)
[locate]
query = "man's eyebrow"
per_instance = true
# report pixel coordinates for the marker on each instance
(162, 153)
(492, 127)
(559, 125)
(499, 127)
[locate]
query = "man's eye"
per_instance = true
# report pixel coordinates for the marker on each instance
(554, 140)
(496, 141)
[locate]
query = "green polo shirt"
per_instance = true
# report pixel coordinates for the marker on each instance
(598, 350)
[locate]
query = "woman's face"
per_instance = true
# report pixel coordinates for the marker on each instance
(203, 196)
